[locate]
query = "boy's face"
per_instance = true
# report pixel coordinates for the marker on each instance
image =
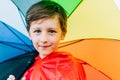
(46, 35)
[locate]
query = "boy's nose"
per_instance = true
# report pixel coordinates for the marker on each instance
(44, 38)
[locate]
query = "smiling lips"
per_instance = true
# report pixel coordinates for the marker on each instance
(45, 46)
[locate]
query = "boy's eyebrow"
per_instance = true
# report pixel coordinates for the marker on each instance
(52, 28)
(35, 27)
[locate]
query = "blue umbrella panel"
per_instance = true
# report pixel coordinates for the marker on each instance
(12, 42)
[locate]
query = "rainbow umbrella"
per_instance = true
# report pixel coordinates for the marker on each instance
(85, 20)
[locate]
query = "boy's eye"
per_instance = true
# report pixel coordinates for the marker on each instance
(37, 31)
(52, 31)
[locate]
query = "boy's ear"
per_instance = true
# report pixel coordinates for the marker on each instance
(63, 35)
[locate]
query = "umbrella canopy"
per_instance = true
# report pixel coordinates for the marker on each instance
(89, 19)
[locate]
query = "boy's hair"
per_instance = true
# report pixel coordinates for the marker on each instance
(46, 9)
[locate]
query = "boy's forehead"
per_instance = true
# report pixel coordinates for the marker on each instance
(51, 22)
(39, 21)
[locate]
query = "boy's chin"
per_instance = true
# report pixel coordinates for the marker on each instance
(45, 54)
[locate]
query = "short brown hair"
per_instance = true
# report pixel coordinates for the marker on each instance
(46, 9)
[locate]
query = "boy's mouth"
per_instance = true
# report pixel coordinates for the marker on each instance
(44, 46)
